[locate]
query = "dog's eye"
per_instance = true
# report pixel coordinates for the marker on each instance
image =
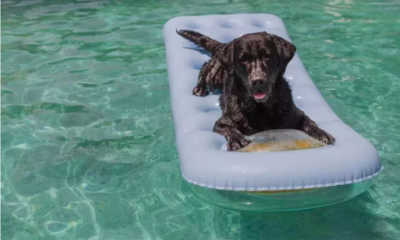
(244, 58)
(267, 55)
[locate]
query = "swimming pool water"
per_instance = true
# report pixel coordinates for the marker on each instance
(87, 138)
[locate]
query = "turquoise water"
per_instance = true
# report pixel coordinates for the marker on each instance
(87, 136)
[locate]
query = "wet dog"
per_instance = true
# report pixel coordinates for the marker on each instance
(256, 97)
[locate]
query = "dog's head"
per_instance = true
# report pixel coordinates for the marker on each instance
(259, 60)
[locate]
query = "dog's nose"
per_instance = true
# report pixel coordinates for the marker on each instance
(257, 83)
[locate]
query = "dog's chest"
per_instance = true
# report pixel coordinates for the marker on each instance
(261, 118)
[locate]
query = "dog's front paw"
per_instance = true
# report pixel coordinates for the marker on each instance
(314, 131)
(200, 91)
(237, 142)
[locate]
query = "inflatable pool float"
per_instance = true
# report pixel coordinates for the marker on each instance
(259, 181)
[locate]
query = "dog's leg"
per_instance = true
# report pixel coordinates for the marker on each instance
(216, 76)
(235, 138)
(311, 128)
(201, 88)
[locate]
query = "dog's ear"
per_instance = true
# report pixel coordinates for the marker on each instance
(286, 51)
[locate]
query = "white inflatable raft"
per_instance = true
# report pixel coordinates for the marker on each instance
(236, 180)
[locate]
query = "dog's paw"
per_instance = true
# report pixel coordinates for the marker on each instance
(314, 131)
(238, 142)
(200, 91)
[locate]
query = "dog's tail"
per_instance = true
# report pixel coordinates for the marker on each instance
(207, 43)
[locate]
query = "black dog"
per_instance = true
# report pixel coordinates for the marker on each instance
(255, 96)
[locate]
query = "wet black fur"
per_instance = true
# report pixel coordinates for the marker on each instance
(235, 67)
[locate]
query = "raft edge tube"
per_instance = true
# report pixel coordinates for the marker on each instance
(280, 201)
